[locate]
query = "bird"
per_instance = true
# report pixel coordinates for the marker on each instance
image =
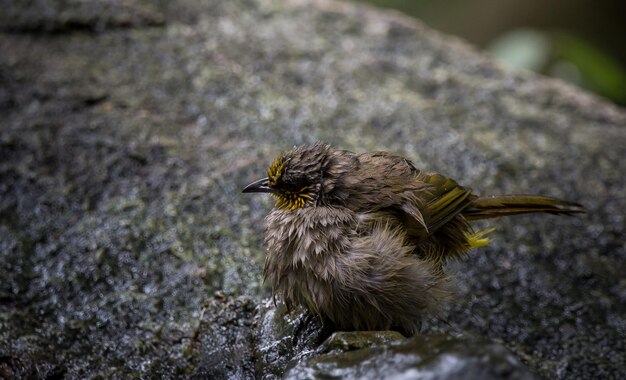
(361, 240)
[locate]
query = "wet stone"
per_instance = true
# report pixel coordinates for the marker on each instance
(129, 129)
(388, 356)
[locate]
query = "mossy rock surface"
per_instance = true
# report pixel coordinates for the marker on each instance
(129, 128)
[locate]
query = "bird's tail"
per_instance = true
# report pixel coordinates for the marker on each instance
(496, 206)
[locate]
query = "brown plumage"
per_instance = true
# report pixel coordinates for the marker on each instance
(361, 239)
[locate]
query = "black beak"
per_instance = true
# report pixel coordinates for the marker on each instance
(260, 186)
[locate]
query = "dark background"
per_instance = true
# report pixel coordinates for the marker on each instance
(580, 41)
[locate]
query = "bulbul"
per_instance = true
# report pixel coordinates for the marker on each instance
(361, 239)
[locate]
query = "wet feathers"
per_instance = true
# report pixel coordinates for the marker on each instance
(361, 239)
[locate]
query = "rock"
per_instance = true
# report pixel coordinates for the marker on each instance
(420, 357)
(283, 338)
(294, 345)
(65, 16)
(128, 129)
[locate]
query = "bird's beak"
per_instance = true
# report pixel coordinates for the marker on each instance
(260, 186)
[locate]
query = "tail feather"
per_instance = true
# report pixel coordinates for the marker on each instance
(496, 206)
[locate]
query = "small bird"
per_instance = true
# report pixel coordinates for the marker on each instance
(361, 239)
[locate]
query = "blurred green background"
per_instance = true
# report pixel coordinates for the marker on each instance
(580, 41)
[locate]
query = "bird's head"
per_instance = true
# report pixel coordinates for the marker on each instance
(300, 177)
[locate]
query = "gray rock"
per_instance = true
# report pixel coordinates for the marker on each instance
(128, 129)
(381, 356)
(296, 346)
(66, 16)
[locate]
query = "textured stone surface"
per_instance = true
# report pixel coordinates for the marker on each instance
(128, 131)
(421, 357)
